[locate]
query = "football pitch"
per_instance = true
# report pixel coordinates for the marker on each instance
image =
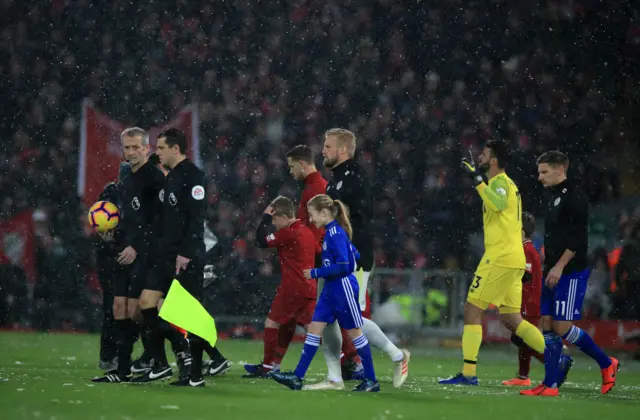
(48, 378)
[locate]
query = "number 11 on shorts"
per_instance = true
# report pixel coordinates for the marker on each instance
(561, 305)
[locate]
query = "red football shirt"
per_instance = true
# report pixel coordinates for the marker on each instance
(532, 289)
(314, 184)
(297, 248)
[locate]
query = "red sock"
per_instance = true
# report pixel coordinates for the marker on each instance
(537, 355)
(285, 336)
(270, 345)
(524, 362)
(349, 350)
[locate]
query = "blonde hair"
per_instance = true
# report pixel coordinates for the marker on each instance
(345, 138)
(338, 210)
(283, 206)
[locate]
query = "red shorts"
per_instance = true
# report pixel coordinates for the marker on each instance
(535, 320)
(287, 308)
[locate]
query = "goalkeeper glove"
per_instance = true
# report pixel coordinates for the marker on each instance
(472, 172)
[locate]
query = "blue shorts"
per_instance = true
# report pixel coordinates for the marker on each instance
(339, 301)
(564, 302)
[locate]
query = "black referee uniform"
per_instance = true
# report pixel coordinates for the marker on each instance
(141, 207)
(350, 185)
(183, 223)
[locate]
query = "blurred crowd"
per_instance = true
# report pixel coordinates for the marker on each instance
(421, 83)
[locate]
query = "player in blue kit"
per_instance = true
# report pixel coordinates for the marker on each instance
(338, 301)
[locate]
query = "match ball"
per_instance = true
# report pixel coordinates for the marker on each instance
(103, 216)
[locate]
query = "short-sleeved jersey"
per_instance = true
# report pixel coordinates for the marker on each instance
(532, 289)
(314, 184)
(297, 248)
(502, 223)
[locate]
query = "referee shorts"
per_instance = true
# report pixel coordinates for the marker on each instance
(164, 272)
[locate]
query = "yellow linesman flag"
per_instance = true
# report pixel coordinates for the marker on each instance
(183, 310)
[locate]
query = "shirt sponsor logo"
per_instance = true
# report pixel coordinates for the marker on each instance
(271, 237)
(501, 191)
(197, 192)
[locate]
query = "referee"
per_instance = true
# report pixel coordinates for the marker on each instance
(181, 253)
(566, 275)
(350, 185)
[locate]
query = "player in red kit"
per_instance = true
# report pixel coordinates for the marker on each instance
(531, 292)
(301, 162)
(295, 298)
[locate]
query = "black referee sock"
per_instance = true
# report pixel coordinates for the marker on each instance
(175, 337)
(214, 353)
(125, 345)
(197, 347)
(155, 336)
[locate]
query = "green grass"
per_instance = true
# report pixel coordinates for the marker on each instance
(48, 378)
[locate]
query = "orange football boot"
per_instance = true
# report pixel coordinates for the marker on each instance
(609, 375)
(517, 382)
(541, 391)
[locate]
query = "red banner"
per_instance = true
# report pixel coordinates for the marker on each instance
(101, 153)
(607, 334)
(17, 242)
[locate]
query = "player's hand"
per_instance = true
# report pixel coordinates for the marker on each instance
(107, 236)
(269, 210)
(553, 277)
(181, 263)
(127, 256)
(307, 273)
(469, 167)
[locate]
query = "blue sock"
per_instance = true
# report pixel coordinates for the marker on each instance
(552, 354)
(364, 351)
(311, 344)
(585, 343)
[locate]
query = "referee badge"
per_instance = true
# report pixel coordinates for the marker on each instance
(555, 203)
(339, 185)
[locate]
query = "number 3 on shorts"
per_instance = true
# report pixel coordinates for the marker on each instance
(476, 284)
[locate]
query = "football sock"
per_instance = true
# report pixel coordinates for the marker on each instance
(524, 362)
(531, 335)
(471, 341)
(348, 348)
(331, 344)
(124, 345)
(144, 337)
(364, 350)
(214, 353)
(311, 344)
(517, 341)
(378, 339)
(270, 347)
(584, 342)
(286, 333)
(197, 346)
(552, 354)
(155, 336)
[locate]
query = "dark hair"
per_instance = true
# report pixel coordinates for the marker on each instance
(501, 151)
(283, 206)
(173, 137)
(528, 224)
(154, 159)
(554, 158)
(302, 153)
